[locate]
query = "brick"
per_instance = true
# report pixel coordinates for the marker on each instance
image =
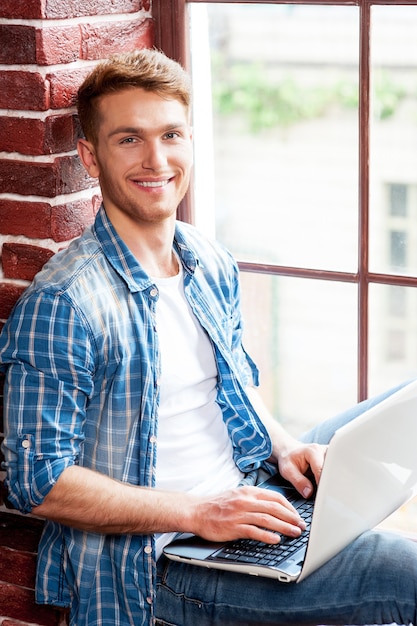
(8, 622)
(24, 135)
(63, 86)
(17, 567)
(72, 175)
(31, 219)
(19, 603)
(58, 133)
(42, 221)
(23, 90)
(9, 294)
(23, 261)
(70, 219)
(58, 44)
(103, 39)
(54, 9)
(61, 133)
(18, 44)
(62, 176)
(43, 46)
(30, 91)
(26, 178)
(58, 9)
(24, 9)
(20, 532)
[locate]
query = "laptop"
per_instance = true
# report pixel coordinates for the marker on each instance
(370, 470)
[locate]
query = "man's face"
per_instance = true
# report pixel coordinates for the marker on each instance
(143, 155)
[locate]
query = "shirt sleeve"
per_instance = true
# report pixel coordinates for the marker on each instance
(247, 367)
(47, 353)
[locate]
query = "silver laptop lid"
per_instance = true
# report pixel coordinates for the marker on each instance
(370, 471)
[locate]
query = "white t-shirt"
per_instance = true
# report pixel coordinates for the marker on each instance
(194, 451)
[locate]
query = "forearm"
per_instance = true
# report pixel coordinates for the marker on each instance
(94, 502)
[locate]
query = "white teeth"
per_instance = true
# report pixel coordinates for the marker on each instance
(159, 183)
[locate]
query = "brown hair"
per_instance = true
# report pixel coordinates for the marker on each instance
(146, 69)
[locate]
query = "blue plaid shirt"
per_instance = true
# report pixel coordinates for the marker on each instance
(82, 361)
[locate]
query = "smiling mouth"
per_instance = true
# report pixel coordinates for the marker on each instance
(153, 184)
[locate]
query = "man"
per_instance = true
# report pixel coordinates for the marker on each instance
(130, 405)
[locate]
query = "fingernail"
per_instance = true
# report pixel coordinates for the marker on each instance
(306, 492)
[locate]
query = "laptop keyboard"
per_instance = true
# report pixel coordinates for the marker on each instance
(265, 554)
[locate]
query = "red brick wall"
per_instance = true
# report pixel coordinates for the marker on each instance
(46, 198)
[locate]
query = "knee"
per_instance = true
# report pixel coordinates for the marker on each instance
(393, 554)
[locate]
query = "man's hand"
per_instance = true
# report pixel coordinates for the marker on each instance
(297, 461)
(246, 512)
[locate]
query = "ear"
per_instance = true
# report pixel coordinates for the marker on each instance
(88, 157)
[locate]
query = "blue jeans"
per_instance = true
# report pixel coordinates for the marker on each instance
(372, 581)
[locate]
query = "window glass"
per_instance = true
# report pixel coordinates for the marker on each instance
(392, 336)
(398, 249)
(393, 146)
(284, 83)
(398, 200)
(301, 333)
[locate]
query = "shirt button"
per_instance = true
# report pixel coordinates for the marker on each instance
(148, 550)
(25, 443)
(149, 600)
(153, 292)
(152, 439)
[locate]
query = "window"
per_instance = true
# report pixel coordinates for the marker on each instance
(304, 114)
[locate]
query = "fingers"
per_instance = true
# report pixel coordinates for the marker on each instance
(274, 513)
(248, 512)
(303, 467)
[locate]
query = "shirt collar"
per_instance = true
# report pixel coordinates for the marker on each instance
(125, 263)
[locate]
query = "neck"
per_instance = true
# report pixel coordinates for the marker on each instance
(161, 268)
(151, 244)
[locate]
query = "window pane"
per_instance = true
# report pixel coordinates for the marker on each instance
(392, 336)
(302, 335)
(398, 251)
(393, 149)
(284, 82)
(398, 200)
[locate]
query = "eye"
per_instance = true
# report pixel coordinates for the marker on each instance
(128, 140)
(172, 134)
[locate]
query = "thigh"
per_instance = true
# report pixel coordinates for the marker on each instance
(372, 581)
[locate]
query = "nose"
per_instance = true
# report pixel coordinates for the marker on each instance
(154, 157)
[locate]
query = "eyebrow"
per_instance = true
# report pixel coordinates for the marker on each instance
(137, 130)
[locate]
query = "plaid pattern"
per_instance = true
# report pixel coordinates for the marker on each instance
(82, 361)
